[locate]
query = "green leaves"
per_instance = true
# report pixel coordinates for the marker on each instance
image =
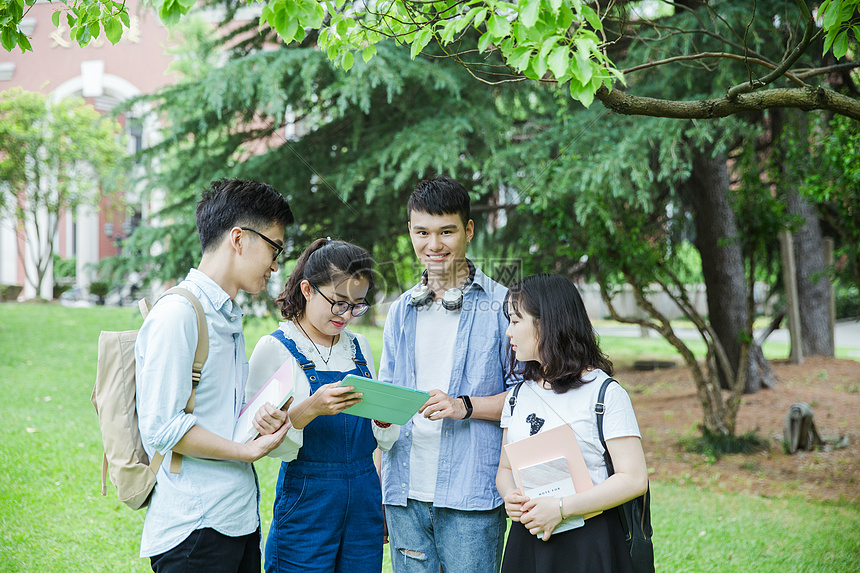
(36, 142)
(838, 18)
(529, 11)
(559, 60)
(290, 17)
(87, 18)
(532, 37)
(421, 40)
(498, 26)
(11, 14)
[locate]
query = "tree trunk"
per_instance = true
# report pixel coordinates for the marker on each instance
(813, 284)
(723, 266)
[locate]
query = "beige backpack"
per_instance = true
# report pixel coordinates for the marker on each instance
(130, 469)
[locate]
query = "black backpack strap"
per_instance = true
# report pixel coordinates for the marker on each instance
(599, 410)
(625, 510)
(513, 399)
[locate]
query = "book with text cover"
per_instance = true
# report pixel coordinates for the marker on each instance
(546, 446)
(276, 392)
(551, 479)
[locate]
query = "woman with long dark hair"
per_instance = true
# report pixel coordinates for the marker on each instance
(328, 503)
(563, 368)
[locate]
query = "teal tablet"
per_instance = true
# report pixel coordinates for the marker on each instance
(384, 402)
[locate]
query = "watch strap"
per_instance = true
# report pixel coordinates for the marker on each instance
(468, 403)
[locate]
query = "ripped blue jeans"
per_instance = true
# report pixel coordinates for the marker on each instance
(423, 538)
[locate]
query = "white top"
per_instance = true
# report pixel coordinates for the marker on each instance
(435, 334)
(270, 354)
(577, 407)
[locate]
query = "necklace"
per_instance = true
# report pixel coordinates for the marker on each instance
(326, 359)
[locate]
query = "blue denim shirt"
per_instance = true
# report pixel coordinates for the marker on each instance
(469, 450)
(206, 493)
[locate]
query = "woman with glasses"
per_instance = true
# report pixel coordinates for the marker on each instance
(328, 503)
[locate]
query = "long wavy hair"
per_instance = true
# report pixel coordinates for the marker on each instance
(322, 263)
(567, 345)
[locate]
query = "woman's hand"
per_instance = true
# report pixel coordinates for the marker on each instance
(268, 419)
(514, 504)
(331, 399)
(541, 514)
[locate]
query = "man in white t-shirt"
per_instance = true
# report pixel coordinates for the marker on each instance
(446, 336)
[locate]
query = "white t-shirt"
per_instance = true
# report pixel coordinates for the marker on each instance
(270, 354)
(435, 335)
(577, 408)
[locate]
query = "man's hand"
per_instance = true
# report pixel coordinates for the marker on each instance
(263, 445)
(268, 419)
(441, 405)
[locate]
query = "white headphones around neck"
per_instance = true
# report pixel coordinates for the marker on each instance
(452, 300)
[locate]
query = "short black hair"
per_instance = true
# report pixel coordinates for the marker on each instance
(567, 345)
(440, 196)
(229, 203)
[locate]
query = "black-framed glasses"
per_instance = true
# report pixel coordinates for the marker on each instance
(341, 306)
(278, 248)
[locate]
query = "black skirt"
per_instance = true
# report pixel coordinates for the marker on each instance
(599, 546)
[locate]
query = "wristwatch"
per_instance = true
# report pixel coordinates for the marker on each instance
(468, 403)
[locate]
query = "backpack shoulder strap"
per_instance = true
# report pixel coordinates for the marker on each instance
(200, 356)
(512, 401)
(145, 306)
(202, 351)
(599, 410)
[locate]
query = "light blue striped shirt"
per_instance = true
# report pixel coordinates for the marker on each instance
(206, 493)
(469, 450)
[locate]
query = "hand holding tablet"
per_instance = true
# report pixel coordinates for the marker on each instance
(383, 401)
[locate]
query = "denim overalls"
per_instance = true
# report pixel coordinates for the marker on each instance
(328, 504)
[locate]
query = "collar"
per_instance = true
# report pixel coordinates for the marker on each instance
(216, 295)
(480, 280)
(477, 278)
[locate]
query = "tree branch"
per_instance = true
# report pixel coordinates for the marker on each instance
(806, 73)
(807, 99)
(808, 34)
(725, 55)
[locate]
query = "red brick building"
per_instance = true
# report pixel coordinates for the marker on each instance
(104, 75)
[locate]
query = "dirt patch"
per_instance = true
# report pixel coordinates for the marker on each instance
(668, 409)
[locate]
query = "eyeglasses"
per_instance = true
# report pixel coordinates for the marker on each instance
(341, 306)
(278, 248)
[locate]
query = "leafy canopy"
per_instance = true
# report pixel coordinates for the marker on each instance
(565, 41)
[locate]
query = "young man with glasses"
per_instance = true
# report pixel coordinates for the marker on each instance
(206, 517)
(446, 336)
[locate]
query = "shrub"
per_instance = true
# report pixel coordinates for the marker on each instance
(714, 445)
(847, 302)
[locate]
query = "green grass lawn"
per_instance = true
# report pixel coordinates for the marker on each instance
(52, 517)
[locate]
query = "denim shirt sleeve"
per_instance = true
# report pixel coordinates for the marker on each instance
(164, 352)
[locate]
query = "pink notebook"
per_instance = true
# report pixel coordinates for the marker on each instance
(545, 447)
(276, 392)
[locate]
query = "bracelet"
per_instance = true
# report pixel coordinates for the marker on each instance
(560, 504)
(381, 424)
